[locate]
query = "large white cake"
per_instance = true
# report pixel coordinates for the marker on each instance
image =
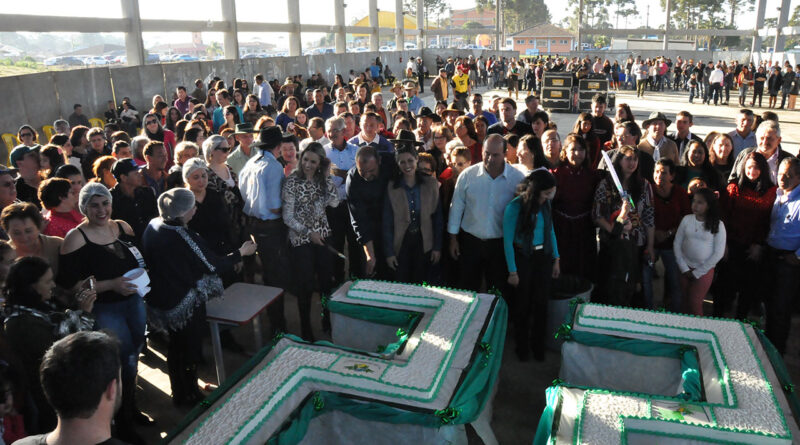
(733, 401)
(423, 376)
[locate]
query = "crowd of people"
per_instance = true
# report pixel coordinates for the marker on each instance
(325, 183)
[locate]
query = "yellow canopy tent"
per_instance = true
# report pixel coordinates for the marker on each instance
(386, 20)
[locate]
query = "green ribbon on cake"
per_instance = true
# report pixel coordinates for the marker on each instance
(690, 368)
(545, 428)
(469, 400)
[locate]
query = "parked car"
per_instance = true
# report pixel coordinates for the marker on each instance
(410, 45)
(184, 58)
(95, 61)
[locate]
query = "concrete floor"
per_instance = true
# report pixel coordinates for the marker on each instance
(520, 396)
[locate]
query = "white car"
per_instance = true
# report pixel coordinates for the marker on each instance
(409, 45)
(96, 61)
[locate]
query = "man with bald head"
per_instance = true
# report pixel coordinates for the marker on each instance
(475, 224)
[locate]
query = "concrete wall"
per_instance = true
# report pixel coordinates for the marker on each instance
(39, 99)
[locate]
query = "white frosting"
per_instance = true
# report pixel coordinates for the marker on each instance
(753, 408)
(293, 371)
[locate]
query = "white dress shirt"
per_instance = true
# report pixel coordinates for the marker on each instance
(479, 201)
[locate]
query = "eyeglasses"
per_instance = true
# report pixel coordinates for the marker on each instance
(150, 122)
(222, 148)
(26, 135)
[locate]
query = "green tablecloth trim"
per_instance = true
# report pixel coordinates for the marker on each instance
(781, 372)
(690, 368)
(466, 405)
(545, 428)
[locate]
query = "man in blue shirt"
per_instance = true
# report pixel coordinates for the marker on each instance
(260, 183)
(783, 243)
(320, 108)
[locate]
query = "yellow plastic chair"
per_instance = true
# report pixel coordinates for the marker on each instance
(10, 141)
(48, 131)
(97, 122)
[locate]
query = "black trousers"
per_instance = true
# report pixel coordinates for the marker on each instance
(742, 275)
(341, 233)
(782, 287)
(533, 294)
(412, 262)
(482, 259)
(273, 247)
(310, 261)
(184, 352)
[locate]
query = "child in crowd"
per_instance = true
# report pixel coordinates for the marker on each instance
(692, 87)
(699, 245)
(695, 184)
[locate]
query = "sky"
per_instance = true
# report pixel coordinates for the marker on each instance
(311, 11)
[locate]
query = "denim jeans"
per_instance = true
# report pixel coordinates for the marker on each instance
(126, 320)
(672, 285)
(692, 93)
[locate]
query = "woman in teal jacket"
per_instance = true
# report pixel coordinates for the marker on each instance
(532, 257)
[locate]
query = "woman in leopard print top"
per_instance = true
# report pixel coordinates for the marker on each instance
(306, 193)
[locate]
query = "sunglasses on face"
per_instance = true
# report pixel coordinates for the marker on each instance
(222, 148)
(25, 135)
(150, 122)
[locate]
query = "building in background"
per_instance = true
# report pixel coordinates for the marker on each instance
(486, 17)
(542, 39)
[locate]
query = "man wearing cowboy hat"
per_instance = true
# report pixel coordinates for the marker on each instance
(397, 90)
(414, 102)
(239, 157)
(286, 90)
(439, 86)
(450, 114)
(260, 183)
(423, 132)
(461, 87)
(657, 144)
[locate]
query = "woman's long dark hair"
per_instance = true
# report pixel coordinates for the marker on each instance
(170, 124)
(534, 145)
(22, 275)
(576, 139)
(713, 214)
(529, 190)
(157, 136)
(583, 117)
(635, 182)
(710, 174)
(764, 181)
(54, 156)
(628, 113)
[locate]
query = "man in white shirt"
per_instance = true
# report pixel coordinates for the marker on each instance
(343, 157)
(316, 133)
(263, 91)
(476, 216)
(715, 81)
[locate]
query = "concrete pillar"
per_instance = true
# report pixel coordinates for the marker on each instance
(666, 26)
(295, 46)
(761, 7)
(399, 26)
(373, 24)
(580, 24)
(497, 34)
(783, 20)
(134, 46)
(421, 24)
(340, 38)
(231, 44)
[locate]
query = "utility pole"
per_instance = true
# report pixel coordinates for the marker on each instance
(647, 20)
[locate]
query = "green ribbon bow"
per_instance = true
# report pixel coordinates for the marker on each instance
(486, 350)
(557, 382)
(447, 415)
(318, 402)
(565, 331)
(789, 387)
(401, 332)
(756, 325)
